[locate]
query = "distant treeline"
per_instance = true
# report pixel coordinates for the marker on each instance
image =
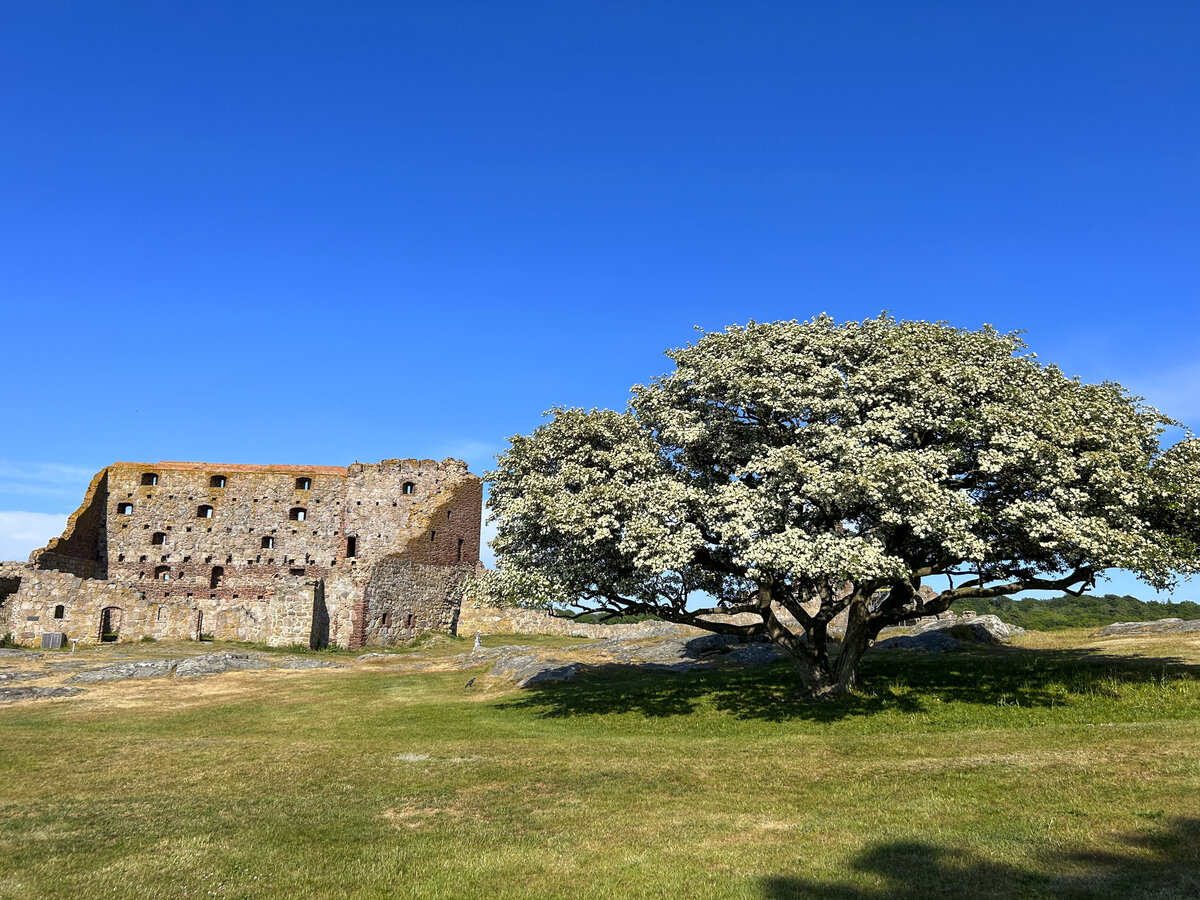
(1078, 612)
(1038, 615)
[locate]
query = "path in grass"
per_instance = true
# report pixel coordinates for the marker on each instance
(1060, 767)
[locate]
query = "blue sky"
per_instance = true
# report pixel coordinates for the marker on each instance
(324, 232)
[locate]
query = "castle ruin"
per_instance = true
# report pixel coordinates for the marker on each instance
(282, 555)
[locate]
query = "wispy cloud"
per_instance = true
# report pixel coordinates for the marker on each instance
(44, 479)
(23, 532)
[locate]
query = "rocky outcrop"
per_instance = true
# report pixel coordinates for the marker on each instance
(1158, 626)
(949, 632)
(11, 694)
(196, 666)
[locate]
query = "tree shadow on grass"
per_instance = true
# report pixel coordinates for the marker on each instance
(889, 681)
(1162, 863)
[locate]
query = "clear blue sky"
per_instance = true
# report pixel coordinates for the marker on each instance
(321, 232)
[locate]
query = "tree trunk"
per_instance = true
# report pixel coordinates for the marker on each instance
(823, 679)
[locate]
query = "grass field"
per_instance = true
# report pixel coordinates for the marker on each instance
(1066, 766)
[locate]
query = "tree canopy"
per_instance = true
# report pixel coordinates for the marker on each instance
(789, 473)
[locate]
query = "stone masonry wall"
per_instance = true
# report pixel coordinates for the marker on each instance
(404, 599)
(280, 554)
(486, 618)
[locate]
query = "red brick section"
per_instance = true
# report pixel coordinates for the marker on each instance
(218, 468)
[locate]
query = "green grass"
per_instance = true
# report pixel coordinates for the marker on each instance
(1059, 768)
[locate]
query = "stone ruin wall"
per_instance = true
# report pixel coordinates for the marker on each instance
(419, 586)
(486, 618)
(80, 548)
(251, 570)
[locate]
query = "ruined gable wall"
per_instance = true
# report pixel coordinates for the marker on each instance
(418, 585)
(443, 507)
(80, 549)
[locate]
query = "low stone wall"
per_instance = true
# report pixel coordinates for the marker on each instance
(30, 609)
(32, 598)
(487, 618)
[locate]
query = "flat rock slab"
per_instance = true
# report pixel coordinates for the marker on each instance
(8, 677)
(11, 694)
(9, 653)
(217, 664)
(676, 653)
(526, 670)
(146, 668)
(1158, 626)
(303, 662)
(197, 666)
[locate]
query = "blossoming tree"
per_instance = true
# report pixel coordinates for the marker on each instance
(785, 473)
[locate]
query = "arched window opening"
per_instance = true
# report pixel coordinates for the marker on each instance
(218, 481)
(162, 573)
(387, 619)
(303, 484)
(149, 479)
(268, 543)
(218, 576)
(204, 512)
(159, 538)
(298, 514)
(60, 611)
(125, 509)
(409, 487)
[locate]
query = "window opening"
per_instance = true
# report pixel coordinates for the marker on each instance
(162, 573)
(149, 479)
(303, 484)
(60, 611)
(268, 543)
(125, 509)
(351, 546)
(159, 537)
(204, 512)
(217, 481)
(297, 514)
(409, 487)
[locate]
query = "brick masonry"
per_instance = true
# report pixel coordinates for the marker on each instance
(316, 555)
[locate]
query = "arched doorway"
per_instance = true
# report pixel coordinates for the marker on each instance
(110, 623)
